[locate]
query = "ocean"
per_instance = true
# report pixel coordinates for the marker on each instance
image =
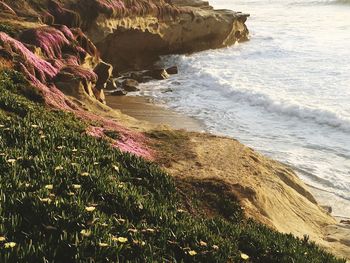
(285, 93)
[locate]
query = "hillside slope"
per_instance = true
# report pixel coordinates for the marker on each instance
(69, 197)
(80, 173)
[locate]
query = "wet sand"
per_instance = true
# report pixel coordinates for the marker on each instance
(142, 108)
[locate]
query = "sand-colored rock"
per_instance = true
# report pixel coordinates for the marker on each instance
(136, 42)
(74, 87)
(269, 191)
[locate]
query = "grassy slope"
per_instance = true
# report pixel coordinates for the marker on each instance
(42, 149)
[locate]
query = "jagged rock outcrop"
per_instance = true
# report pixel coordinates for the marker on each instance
(49, 42)
(136, 42)
(129, 34)
(52, 55)
(132, 34)
(62, 63)
(63, 15)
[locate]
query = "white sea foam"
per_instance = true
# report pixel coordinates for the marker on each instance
(286, 92)
(321, 2)
(278, 106)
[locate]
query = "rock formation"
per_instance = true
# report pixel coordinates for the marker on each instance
(53, 43)
(137, 41)
(129, 34)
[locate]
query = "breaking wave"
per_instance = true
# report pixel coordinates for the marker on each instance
(321, 2)
(319, 116)
(286, 108)
(284, 93)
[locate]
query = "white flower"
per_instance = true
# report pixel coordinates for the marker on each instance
(85, 232)
(45, 200)
(202, 243)
(58, 168)
(49, 187)
(10, 245)
(101, 244)
(116, 168)
(244, 256)
(120, 239)
(90, 208)
(138, 242)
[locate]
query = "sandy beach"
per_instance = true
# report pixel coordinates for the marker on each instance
(142, 108)
(334, 237)
(218, 152)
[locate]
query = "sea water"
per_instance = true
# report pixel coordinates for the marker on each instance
(285, 93)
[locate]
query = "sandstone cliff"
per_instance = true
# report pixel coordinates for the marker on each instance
(44, 40)
(269, 191)
(128, 34)
(49, 42)
(132, 34)
(136, 42)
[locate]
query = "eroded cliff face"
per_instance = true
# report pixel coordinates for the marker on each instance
(53, 43)
(135, 42)
(133, 34)
(270, 192)
(42, 40)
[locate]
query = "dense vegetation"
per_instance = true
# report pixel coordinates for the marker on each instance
(68, 197)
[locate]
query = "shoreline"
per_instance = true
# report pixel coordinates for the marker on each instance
(335, 236)
(136, 162)
(144, 109)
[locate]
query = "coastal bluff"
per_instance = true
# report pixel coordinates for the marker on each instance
(135, 42)
(69, 50)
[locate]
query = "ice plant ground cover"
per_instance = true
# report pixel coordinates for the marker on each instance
(69, 197)
(42, 75)
(158, 8)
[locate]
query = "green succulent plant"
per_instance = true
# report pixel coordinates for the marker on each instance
(69, 197)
